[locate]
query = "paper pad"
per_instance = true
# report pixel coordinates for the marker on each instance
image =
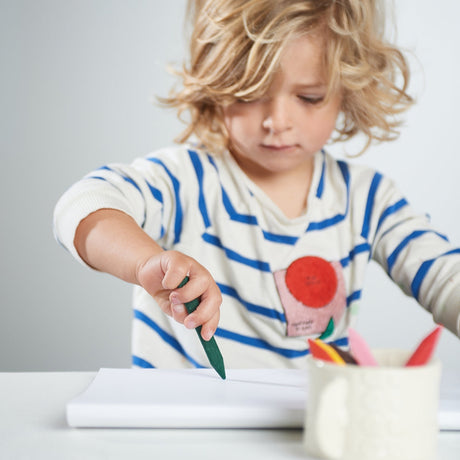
(198, 398)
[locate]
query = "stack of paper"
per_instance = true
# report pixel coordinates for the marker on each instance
(199, 398)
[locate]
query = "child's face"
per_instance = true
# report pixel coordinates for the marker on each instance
(283, 130)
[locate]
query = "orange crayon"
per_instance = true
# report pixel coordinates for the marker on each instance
(323, 351)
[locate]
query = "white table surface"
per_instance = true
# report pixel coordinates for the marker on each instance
(33, 426)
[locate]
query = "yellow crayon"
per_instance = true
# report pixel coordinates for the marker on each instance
(333, 355)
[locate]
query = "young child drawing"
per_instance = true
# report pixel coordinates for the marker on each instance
(274, 233)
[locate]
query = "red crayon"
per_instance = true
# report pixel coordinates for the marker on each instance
(425, 350)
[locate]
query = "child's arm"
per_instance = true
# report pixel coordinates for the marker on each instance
(419, 259)
(111, 241)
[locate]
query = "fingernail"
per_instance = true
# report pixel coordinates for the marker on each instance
(207, 335)
(174, 300)
(179, 308)
(190, 323)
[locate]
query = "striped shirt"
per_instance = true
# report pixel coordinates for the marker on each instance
(282, 280)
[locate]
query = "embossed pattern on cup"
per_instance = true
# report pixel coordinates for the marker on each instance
(387, 412)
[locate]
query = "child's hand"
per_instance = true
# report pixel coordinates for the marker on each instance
(111, 241)
(160, 276)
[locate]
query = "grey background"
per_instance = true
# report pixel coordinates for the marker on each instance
(77, 85)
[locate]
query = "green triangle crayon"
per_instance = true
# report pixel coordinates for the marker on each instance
(210, 347)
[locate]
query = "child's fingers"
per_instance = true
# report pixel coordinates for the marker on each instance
(200, 285)
(178, 312)
(207, 313)
(176, 266)
(209, 328)
(175, 274)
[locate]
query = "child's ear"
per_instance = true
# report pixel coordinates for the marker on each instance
(220, 114)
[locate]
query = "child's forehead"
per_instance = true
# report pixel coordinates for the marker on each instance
(306, 47)
(302, 58)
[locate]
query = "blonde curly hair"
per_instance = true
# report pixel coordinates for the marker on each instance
(235, 49)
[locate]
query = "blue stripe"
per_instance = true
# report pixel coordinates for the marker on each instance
(231, 211)
(96, 177)
(199, 175)
(168, 338)
(359, 249)
(393, 209)
(423, 270)
(284, 239)
(325, 223)
(252, 307)
(211, 160)
(370, 204)
(353, 296)
(320, 189)
(130, 181)
(346, 176)
(156, 193)
(314, 226)
(404, 243)
(232, 255)
(248, 219)
(176, 185)
(264, 345)
(137, 361)
(126, 178)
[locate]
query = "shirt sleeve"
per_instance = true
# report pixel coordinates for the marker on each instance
(146, 190)
(416, 256)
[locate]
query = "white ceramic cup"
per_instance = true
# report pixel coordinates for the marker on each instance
(389, 412)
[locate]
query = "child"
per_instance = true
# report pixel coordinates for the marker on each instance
(274, 234)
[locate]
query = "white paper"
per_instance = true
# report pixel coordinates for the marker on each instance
(191, 398)
(199, 398)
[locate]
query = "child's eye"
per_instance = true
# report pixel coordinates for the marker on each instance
(311, 99)
(245, 101)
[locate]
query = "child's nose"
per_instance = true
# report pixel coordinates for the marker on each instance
(278, 117)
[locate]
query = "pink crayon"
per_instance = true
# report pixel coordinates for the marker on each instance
(360, 350)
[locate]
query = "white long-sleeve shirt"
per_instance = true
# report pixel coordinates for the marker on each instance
(282, 280)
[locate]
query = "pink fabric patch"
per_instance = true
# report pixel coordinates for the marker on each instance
(310, 312)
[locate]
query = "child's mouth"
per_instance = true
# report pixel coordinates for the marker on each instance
(280, 148)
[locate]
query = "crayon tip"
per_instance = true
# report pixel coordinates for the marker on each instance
(425, 349)
(221, 372)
